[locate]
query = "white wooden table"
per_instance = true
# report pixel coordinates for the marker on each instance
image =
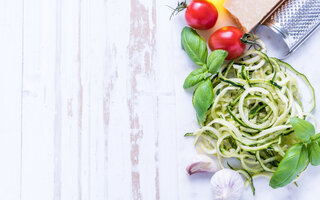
(92, 104)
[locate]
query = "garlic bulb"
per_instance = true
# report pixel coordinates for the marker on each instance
(227, 185)
(202, 164)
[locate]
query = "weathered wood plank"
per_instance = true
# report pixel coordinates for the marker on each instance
(40, 108)
(70, 82)
(11, 23)
(95, 59)
(140, 100)
(115, 109)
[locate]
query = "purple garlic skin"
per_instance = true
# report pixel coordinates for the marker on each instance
(202, 164)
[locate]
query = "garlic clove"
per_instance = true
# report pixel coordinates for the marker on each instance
(227, 185)
(202, 164)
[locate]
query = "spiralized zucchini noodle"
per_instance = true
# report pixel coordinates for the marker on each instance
(255, 96)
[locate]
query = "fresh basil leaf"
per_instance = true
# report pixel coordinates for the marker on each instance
(194, 46)
(302, 128)
(202, 99)
(293, 163)
(195, 77)
(314, 153)
(215, 60)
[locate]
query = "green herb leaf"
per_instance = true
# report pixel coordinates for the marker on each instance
(194, 46)
(314, 153)
(195, 77)
(293, 163)
(202, 99)
(215, 60)
(302, 128)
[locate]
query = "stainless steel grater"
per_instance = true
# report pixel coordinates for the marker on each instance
(294, 21)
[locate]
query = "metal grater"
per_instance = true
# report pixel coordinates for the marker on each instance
(294, 21)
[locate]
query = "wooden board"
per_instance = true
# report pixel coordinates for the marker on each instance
(93, 108)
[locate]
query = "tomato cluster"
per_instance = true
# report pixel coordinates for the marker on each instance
(203, 15)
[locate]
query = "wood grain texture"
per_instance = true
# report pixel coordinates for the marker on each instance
(93, 108)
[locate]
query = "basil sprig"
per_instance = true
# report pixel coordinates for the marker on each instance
(196, 49)
(298, 156)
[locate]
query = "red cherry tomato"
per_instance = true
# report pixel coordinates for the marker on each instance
(228, 39)
(201, 14)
